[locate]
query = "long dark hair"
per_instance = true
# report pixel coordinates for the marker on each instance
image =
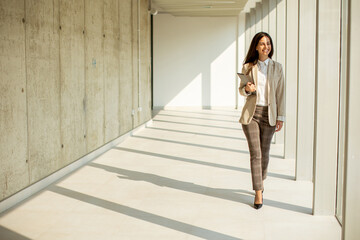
(253, 55)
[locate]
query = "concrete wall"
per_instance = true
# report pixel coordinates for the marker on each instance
(14, 172)
(195, 61)
(74, 76)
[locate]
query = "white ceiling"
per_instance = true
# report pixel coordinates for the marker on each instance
(205, 8)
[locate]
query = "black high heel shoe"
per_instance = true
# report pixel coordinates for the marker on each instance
(259, 205)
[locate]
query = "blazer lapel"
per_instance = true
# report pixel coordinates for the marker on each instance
(270, 72)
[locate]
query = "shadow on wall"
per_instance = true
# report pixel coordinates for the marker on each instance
(194, 61)
(254, 23)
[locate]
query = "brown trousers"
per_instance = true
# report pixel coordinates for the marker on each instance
(259, 134)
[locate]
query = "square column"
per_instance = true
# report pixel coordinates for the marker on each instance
(351, 217)
(265, 16)
(326, 107)
(241, 41)
(252, 23)
(272, 24)
(292, 32)
(247, 31)
(306, 90)
(281, 49)
(258, 17)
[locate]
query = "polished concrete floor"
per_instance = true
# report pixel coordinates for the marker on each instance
(186, 176)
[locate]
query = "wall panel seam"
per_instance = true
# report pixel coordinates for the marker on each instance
(103, 71)
(60, 97)
(297, 90)
(26, 97)
(85, 77)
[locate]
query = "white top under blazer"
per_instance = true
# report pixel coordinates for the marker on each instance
(269, 90)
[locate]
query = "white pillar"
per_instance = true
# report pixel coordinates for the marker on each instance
(252, 23)
(306, 90)
(342, 111)
(326, 107)
(291, 77)
(265, 16)
(247, 31)
(351, 216)
(242, 29)
(280, 48)
(272, 24)
(241, 52)
(258, 17)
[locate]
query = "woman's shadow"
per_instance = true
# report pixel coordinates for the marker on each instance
(235, 195)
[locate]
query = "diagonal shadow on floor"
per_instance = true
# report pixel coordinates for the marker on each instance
(207, 119)
(187, 160)
(200, 113)
(199, 145)
(199, 125)
(7, 234)
(196, 133)
(142, 215)
(195, 188)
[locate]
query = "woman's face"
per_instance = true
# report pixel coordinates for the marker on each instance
(264, 47)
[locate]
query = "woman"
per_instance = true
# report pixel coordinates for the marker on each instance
(264, 109)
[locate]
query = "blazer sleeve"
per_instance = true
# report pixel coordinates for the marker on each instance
(280, 96)
(243, 83)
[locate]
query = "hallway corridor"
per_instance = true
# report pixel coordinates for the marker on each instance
(186, 176)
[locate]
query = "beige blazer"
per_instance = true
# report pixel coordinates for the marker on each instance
(276, 92)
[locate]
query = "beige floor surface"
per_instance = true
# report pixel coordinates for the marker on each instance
(187, 177)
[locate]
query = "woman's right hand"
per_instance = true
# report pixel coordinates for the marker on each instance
(250, 87)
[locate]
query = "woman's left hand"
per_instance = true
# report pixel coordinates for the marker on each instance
(279, 125)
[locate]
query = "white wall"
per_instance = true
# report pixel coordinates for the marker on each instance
(194, 61)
